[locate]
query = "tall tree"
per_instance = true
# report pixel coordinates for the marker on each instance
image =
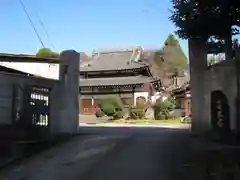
(169, 60)
(173, 56)
(214, 19)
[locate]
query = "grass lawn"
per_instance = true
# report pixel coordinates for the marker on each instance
(146, 121)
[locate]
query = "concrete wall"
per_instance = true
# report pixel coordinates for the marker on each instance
(7, 97)
(41, 69)
(220, 76)
(64, 105)
(64, 98)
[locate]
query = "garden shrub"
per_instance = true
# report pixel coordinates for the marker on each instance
(114, 100)
(108, 109)
(118, 115)
(137, 113)
(99, 113)
(162, 109)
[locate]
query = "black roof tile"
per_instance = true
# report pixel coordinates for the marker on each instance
(114, 60)
(115, 81)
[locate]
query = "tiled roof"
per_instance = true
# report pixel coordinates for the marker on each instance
(115, 81)
(84, 57)
(114, 60)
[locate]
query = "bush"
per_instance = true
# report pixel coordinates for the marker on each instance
(118, 115)
(114, 100)
(99, 113)
(162, 109)
(158, 115)
(137, 113)
(108, 109)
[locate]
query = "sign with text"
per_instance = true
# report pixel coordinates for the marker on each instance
(220, 114)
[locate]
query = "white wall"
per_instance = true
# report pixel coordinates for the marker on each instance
(41, 69)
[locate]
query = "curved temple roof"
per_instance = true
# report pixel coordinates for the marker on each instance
(114, 60)
(112, 81)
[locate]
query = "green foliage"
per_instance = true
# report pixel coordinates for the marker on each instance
(174, 58)
(115, 101)
(168, 60)
(211, 61)
(46, 53)
(171, 41)
(136, 113)
(118, 115)
(112, 106)
(162, 109)
(198, 18)
(99, 113)
(172, 101)
(108, 109)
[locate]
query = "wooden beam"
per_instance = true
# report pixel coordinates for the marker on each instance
(27, 59)
(104, 93)
(8, 78)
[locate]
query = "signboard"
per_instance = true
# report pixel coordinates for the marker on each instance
(220, 114)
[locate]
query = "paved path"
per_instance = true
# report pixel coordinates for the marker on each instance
(147, 153)
(62, 162)
(110, 153)
(177, 126)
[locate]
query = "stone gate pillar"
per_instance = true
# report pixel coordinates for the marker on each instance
(64, 104)
(198, 65)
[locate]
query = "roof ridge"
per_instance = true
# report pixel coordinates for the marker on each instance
(115, 50)
(109, 52)
(130, 59)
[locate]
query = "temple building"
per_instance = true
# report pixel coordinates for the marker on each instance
(183, 99)
(122, 72)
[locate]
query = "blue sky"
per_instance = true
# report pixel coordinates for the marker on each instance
(84, 25)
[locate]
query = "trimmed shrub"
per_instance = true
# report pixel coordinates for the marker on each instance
(108, 109)
(137, 113)
(118, 115)
(115, 101)
(99, 113)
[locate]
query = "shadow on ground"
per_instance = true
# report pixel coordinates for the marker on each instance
(145, 153)
(128, 153)
(111, 153)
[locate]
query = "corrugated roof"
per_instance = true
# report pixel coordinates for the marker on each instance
(115, 81)
(114, 60)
